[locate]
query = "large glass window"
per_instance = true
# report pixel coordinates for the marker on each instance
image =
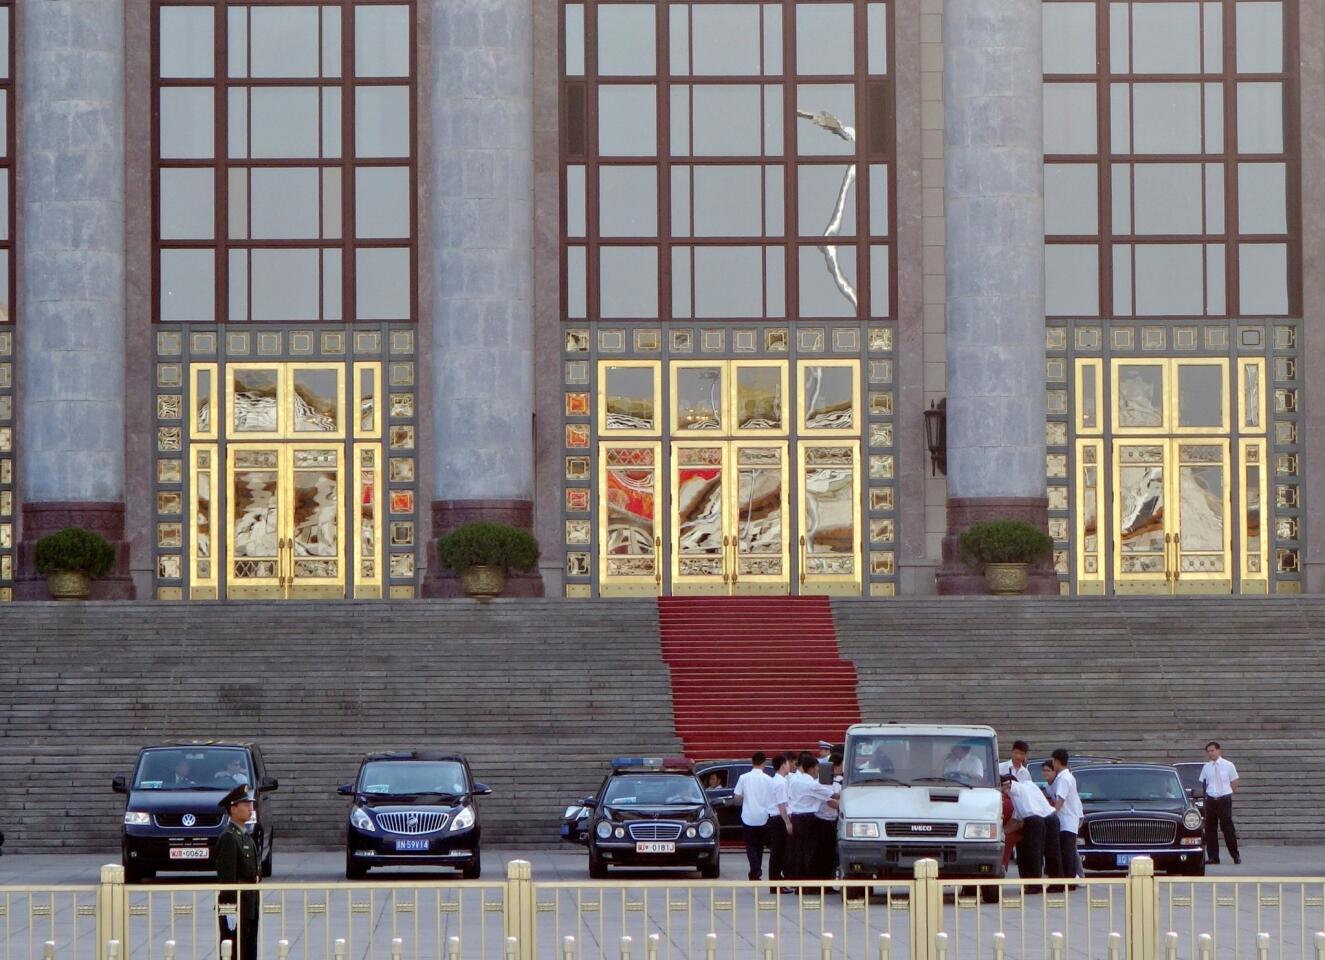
(740, 163)
(1169, 181)
(7, 339)
(285, 174)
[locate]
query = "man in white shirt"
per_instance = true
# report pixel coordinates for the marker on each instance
(1038, 851)
(754, 793)
(827, 817)
(805, 796)
(1067, 802)
(779, 824)
(1017, 765)
(1221, 782)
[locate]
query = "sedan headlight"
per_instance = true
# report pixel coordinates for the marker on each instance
(981, 831)
(572, 813)
(463, 820)
(706, 830)
(360, 820)
(604, 829)
(1191, 820)
(137, 818)
(862, 830)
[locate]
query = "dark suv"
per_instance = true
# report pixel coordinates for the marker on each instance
(172, 817)
(651, 813)
(413, 809)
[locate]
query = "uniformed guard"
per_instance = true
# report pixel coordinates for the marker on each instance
(237, 862)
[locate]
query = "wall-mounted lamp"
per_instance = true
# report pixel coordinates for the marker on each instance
(936, 436)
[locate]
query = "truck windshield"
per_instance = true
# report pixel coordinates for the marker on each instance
(192, 768)
(922, 760)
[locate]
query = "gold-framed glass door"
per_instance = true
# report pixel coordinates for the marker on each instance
(1202, 538)
(729, 508)
(255, 532)
(629, 562)
(829, 498)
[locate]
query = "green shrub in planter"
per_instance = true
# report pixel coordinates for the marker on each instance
(487, 545)
(74, 550)
(1005, 541)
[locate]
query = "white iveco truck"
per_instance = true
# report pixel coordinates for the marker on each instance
(917, 791)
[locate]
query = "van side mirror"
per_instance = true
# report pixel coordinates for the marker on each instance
(482, 789)
(345, 789)
(269, 783)
(119, 785)
(589, 801)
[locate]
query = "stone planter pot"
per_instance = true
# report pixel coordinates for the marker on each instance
(1007, 579)
(483, 583)
(68, 585)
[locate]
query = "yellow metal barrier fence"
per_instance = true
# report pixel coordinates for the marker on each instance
(1138, 917)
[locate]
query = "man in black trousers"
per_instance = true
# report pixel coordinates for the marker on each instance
(1221, 782)
(754, 793)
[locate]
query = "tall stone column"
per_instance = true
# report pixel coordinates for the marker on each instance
(482, 304)
(994, 209)
(71, 155)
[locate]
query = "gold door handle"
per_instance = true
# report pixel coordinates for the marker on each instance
(657, 563)
(1177, 559)
(726, 544)
(1168, 572)
(736, 571)
(802, 545)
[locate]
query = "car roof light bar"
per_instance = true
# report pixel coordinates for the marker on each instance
(678, 764)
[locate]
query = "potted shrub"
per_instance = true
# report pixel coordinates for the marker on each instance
(483, 553)
(70, 559)
(1006, 549)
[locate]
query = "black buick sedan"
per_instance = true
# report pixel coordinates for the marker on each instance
(413, 808)
(1138, 810)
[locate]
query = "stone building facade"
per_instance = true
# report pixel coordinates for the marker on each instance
(292, 288)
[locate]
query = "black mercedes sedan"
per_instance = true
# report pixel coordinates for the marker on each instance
(651, 812)
(414, 808)
(172, 813)
(1135, 810)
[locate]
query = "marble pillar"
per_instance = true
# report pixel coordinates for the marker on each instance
(482, 261)
(71, 155)
(994, 210)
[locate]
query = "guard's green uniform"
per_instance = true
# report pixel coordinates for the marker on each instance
(237, 862)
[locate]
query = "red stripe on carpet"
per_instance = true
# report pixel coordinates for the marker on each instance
(755, 673)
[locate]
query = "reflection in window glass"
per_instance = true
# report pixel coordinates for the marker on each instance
(758, 398)
(828, 281)
(1069, 118)
(829, 397)
(626, 44)
(630, 398)
(729, 282)
(627, 120)
(1170, 280)
(826, 198)
(628, 282)
(628, 201)
(1200, 395)
(825, 119)
(825, 39)
(699, 398)
(1072, 280)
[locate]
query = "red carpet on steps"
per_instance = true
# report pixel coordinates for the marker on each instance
(755, 673)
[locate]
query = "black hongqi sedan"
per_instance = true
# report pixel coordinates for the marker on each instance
(1138, 810)
(651, 812)
(413, 809)
(172, 813)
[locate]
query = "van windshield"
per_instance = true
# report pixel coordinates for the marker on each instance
(411, 777)
(192, 768)
(922, 760)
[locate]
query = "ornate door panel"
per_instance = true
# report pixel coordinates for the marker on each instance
(255, 531)
(629, 561)
(701, 524)
(829, 498)
(760, 518)
(1202, 538)
(1142, 537)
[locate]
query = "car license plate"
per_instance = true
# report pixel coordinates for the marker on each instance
(655, 846)
(1124, 859)
(188, 853)
(411, 845)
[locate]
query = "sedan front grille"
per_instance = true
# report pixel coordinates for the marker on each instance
(654, 830)
(907, 828)
(1115, 833)
(410, 821)
(202, 821)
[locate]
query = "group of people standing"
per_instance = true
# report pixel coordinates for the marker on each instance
(793, 814)
(1040, 825)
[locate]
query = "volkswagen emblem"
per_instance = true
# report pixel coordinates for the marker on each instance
(412, 820)
(188, 820)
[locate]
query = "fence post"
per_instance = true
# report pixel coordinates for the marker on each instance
(826, 946)
(282, 950)
(1055, 946)
(1262, 946)
(1000, 945)
(170, 950)
(568, 948)
(885, 946)
(941, 946)
(48, 950)
(1205, 946)
(397, 948)
(1142, 910)
(1171, 945)
(338, 949)
(1320, 945)
(1115, 946)
(519, 912)
(512, 948)
(651, 946)
(452, 948)
(710, 946)
(227, 949)
(926, 910)
(625, 947)
(770, 946)
(112, 911)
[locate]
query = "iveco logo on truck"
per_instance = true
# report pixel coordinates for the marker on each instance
(921, 828)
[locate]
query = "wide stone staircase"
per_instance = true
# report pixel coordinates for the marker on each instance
(1141, 679)
(538, 695)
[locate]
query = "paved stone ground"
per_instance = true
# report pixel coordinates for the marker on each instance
(424, 913)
